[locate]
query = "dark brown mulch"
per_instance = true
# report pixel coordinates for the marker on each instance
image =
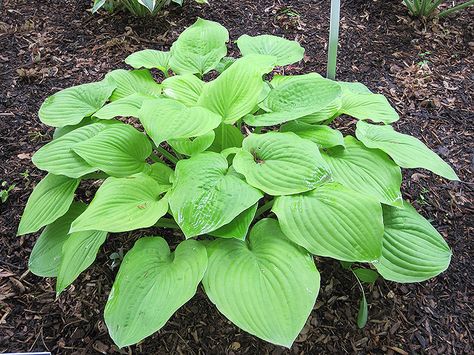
(47, 45)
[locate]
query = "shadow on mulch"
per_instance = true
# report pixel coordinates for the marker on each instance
(426, 70)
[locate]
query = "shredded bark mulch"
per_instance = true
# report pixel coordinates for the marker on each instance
(424, 68)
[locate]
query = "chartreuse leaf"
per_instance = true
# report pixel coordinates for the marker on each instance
(71, 105)
(224, 64)
(165, 119)
(119, 151)
(239, 227)
(205, 196)
(359, 102)
(129, 82)
(58, 156)
(333, 221)
(236, 91)
(152, 284)
(123, 204)
(78, 253)
(296, 98)
(192, 146)
(161, 173)
(61, 131)
(405, 150)
(49, 200)
(286, 51)
(45, 257)
(127, 106)
(323, 136)
(363, 311)
(185, 88)
(413, 250)
(266, 286)
(368, 171)
(226, 136)
(281, 163)
(149, 59)
(199, 48)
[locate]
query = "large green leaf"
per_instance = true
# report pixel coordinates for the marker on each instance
(58, 156)
(368, 171)
(226, 136)
(199, 48)
(189, 146)
(296, 98)
(281, 163)
(79, 251)
(61, 131)
(45, 257)
(49, 200)
(149, 59)
(413, 250)
(129, 82)
(123, 204)
(239, 227)
(165, 119)
(119, 151)
(127, 106)
(359, 102)
(185, 88)
(333, 221)
(205, 196)
(286, 51)
(323, 136)
(161, 173)
(71, 105)
(151, 285)
(236, 91)
(266, 286)
(405, 150)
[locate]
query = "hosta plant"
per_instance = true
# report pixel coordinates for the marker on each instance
(246, 166)
(136, 7)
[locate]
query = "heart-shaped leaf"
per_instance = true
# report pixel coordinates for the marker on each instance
(185, 88)
(123, 204)
(296, 98)
(161, 173)
(119, 151)
(71, 105)
(49, 200)
(281, 163)
(405, 150)
(286, 51)
(165, 119)
(205, 196)
(226, 136)
(151, 285)
(149, 59)
(266, 286)
(58, 156)
(413, 251)
(199, 48)
(236, 91)
(323, 136)
(45, 257)
(129, 82)
(368, 171)
(333, 221)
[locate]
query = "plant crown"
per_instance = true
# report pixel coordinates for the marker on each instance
(172, 154)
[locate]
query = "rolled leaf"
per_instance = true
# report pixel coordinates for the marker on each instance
(149, 59)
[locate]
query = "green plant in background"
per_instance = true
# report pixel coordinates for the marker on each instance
(5, 190)
(253, 208)
(136, 7)
(427, 8)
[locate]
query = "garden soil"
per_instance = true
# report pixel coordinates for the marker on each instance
(426, 69)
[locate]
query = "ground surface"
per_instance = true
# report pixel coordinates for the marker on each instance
(48, 45)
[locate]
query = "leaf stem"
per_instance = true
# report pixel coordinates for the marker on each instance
(267, 206)
(167, 155)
